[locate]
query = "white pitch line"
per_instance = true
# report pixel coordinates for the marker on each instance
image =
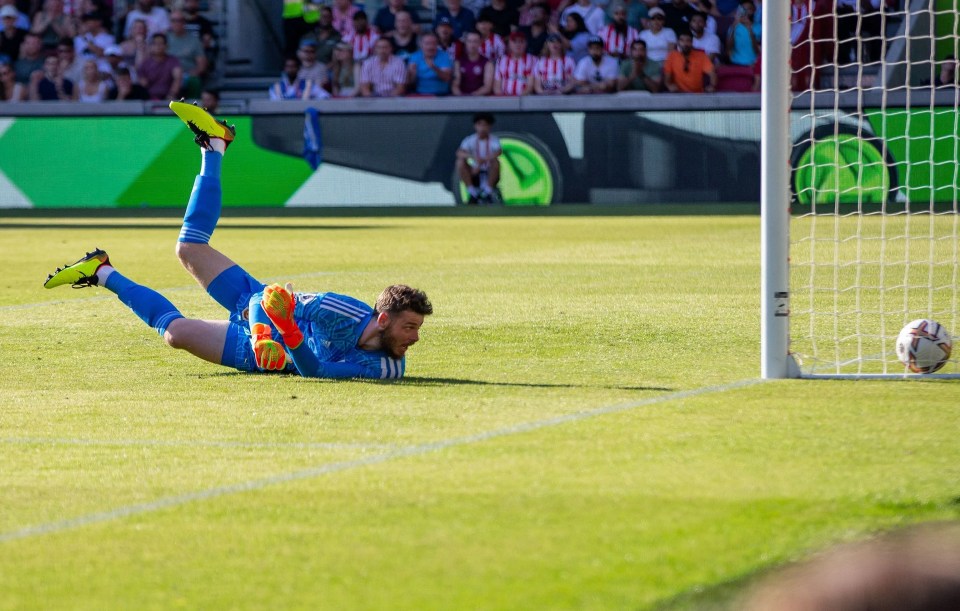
(264, 445)
(325, 469)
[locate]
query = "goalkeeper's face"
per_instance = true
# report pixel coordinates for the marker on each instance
(402, 330)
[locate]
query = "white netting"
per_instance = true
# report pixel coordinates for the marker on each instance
(876, 176)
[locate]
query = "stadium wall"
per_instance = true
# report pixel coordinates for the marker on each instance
(621, 150)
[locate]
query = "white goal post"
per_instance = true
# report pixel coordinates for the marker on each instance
(860, 176)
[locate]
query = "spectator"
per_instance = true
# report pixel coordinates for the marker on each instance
(491, 44)
(325, 35)
(660, 40)
(463, 19)
(478, 163)
(592, 15)
(20, 20)
(686, 68)
(294, 25)
(292, 86)
(70, 67)
(201, 27)
(158, 22)
(429, 72)
(31, 58)
(677, 14)
(93, 40)
(403, 38)
(310, 68)
(536, 33)
(639, 73)
(618, 36)
(597, 72)
(114, 58)
(210, 99)
(504, 17)
(125, 88)
(344, 72)
(52, 24)
(362, 38)
(10, 89)
(160, 72)
(710, 14)
(93, 88)
(636, 12)
(472, 72)
(342, 13)
(448, 44)
(554, 73)
(136, 47)
(384, 74)
(703, 40)
(576, 36)
(11, 37)
(743, 37)
(187, 48)
(49, 84)
(385, 20)
(515, 71)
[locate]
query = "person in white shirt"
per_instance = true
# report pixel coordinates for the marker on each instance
(702, 40)
(660, 40)
(597, 72)
(592, 14)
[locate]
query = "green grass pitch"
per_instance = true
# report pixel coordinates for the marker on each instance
(581, 427)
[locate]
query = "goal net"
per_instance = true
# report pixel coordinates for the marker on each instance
(872, 174)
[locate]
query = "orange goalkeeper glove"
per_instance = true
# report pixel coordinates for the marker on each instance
(278, 302)
(270, 355)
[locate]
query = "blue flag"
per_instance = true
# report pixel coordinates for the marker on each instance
(312, 138)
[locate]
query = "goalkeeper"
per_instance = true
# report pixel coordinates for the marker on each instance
(270, 328)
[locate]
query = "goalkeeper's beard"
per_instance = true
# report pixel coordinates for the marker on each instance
(391, 345)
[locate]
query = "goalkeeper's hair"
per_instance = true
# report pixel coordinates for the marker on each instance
(401, 298)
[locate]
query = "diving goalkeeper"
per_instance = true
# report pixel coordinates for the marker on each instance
(270, 328)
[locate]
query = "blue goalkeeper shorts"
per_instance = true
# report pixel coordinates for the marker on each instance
(233, 289)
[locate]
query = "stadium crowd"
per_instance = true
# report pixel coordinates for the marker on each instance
(98, 50)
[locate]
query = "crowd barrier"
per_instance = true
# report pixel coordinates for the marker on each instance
(628, 150)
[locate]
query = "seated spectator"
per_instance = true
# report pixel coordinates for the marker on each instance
(292, 86)
(710, 14)
(186, 47)
(20, 20)
(515, 70)
(429, 72)
(10, 89)
(201, 27)
(636, 12)
(403, 38)
(618, 36)
(342, 13)
(639, 73)
(210, 99)
(160, 72)
(52, 24)
(688, 70)
(384, 74)
(504, 17)
(597, 72)
(491, 44)
(385, 20)
(114, 58)
(447, 43)
(310, 68)
(478, 163)
(70, 67)
(49, 84)
(362, 38)
(592, 15)
(554, 73)
(325, 35)
(743, 37)
(575, 36)
(125, 88)
(93, 40)
(344, 72)
(463, 19)
(136, 47)
(537, 31)
(156, 18)
(11, 37)
(703, 40)
(92, 88)
(677, 14)
(472, 72)
(660, 40)
(31, 58)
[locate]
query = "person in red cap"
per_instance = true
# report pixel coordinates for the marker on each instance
(514, 74)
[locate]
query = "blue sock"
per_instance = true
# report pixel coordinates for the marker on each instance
(152, 307)
(203, 211)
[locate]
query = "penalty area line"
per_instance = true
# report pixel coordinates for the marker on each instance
(337, 467)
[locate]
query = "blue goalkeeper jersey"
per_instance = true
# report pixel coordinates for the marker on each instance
(331, 326)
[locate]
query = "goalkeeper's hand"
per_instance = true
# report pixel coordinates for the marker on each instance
(270, 355)
(278, 303)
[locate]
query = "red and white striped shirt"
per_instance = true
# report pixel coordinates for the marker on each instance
(616, 44)
(362, 43)
(383, 79)
(514, 73)
(555, 73)
(493, 48)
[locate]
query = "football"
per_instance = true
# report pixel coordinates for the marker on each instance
(924, 346)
